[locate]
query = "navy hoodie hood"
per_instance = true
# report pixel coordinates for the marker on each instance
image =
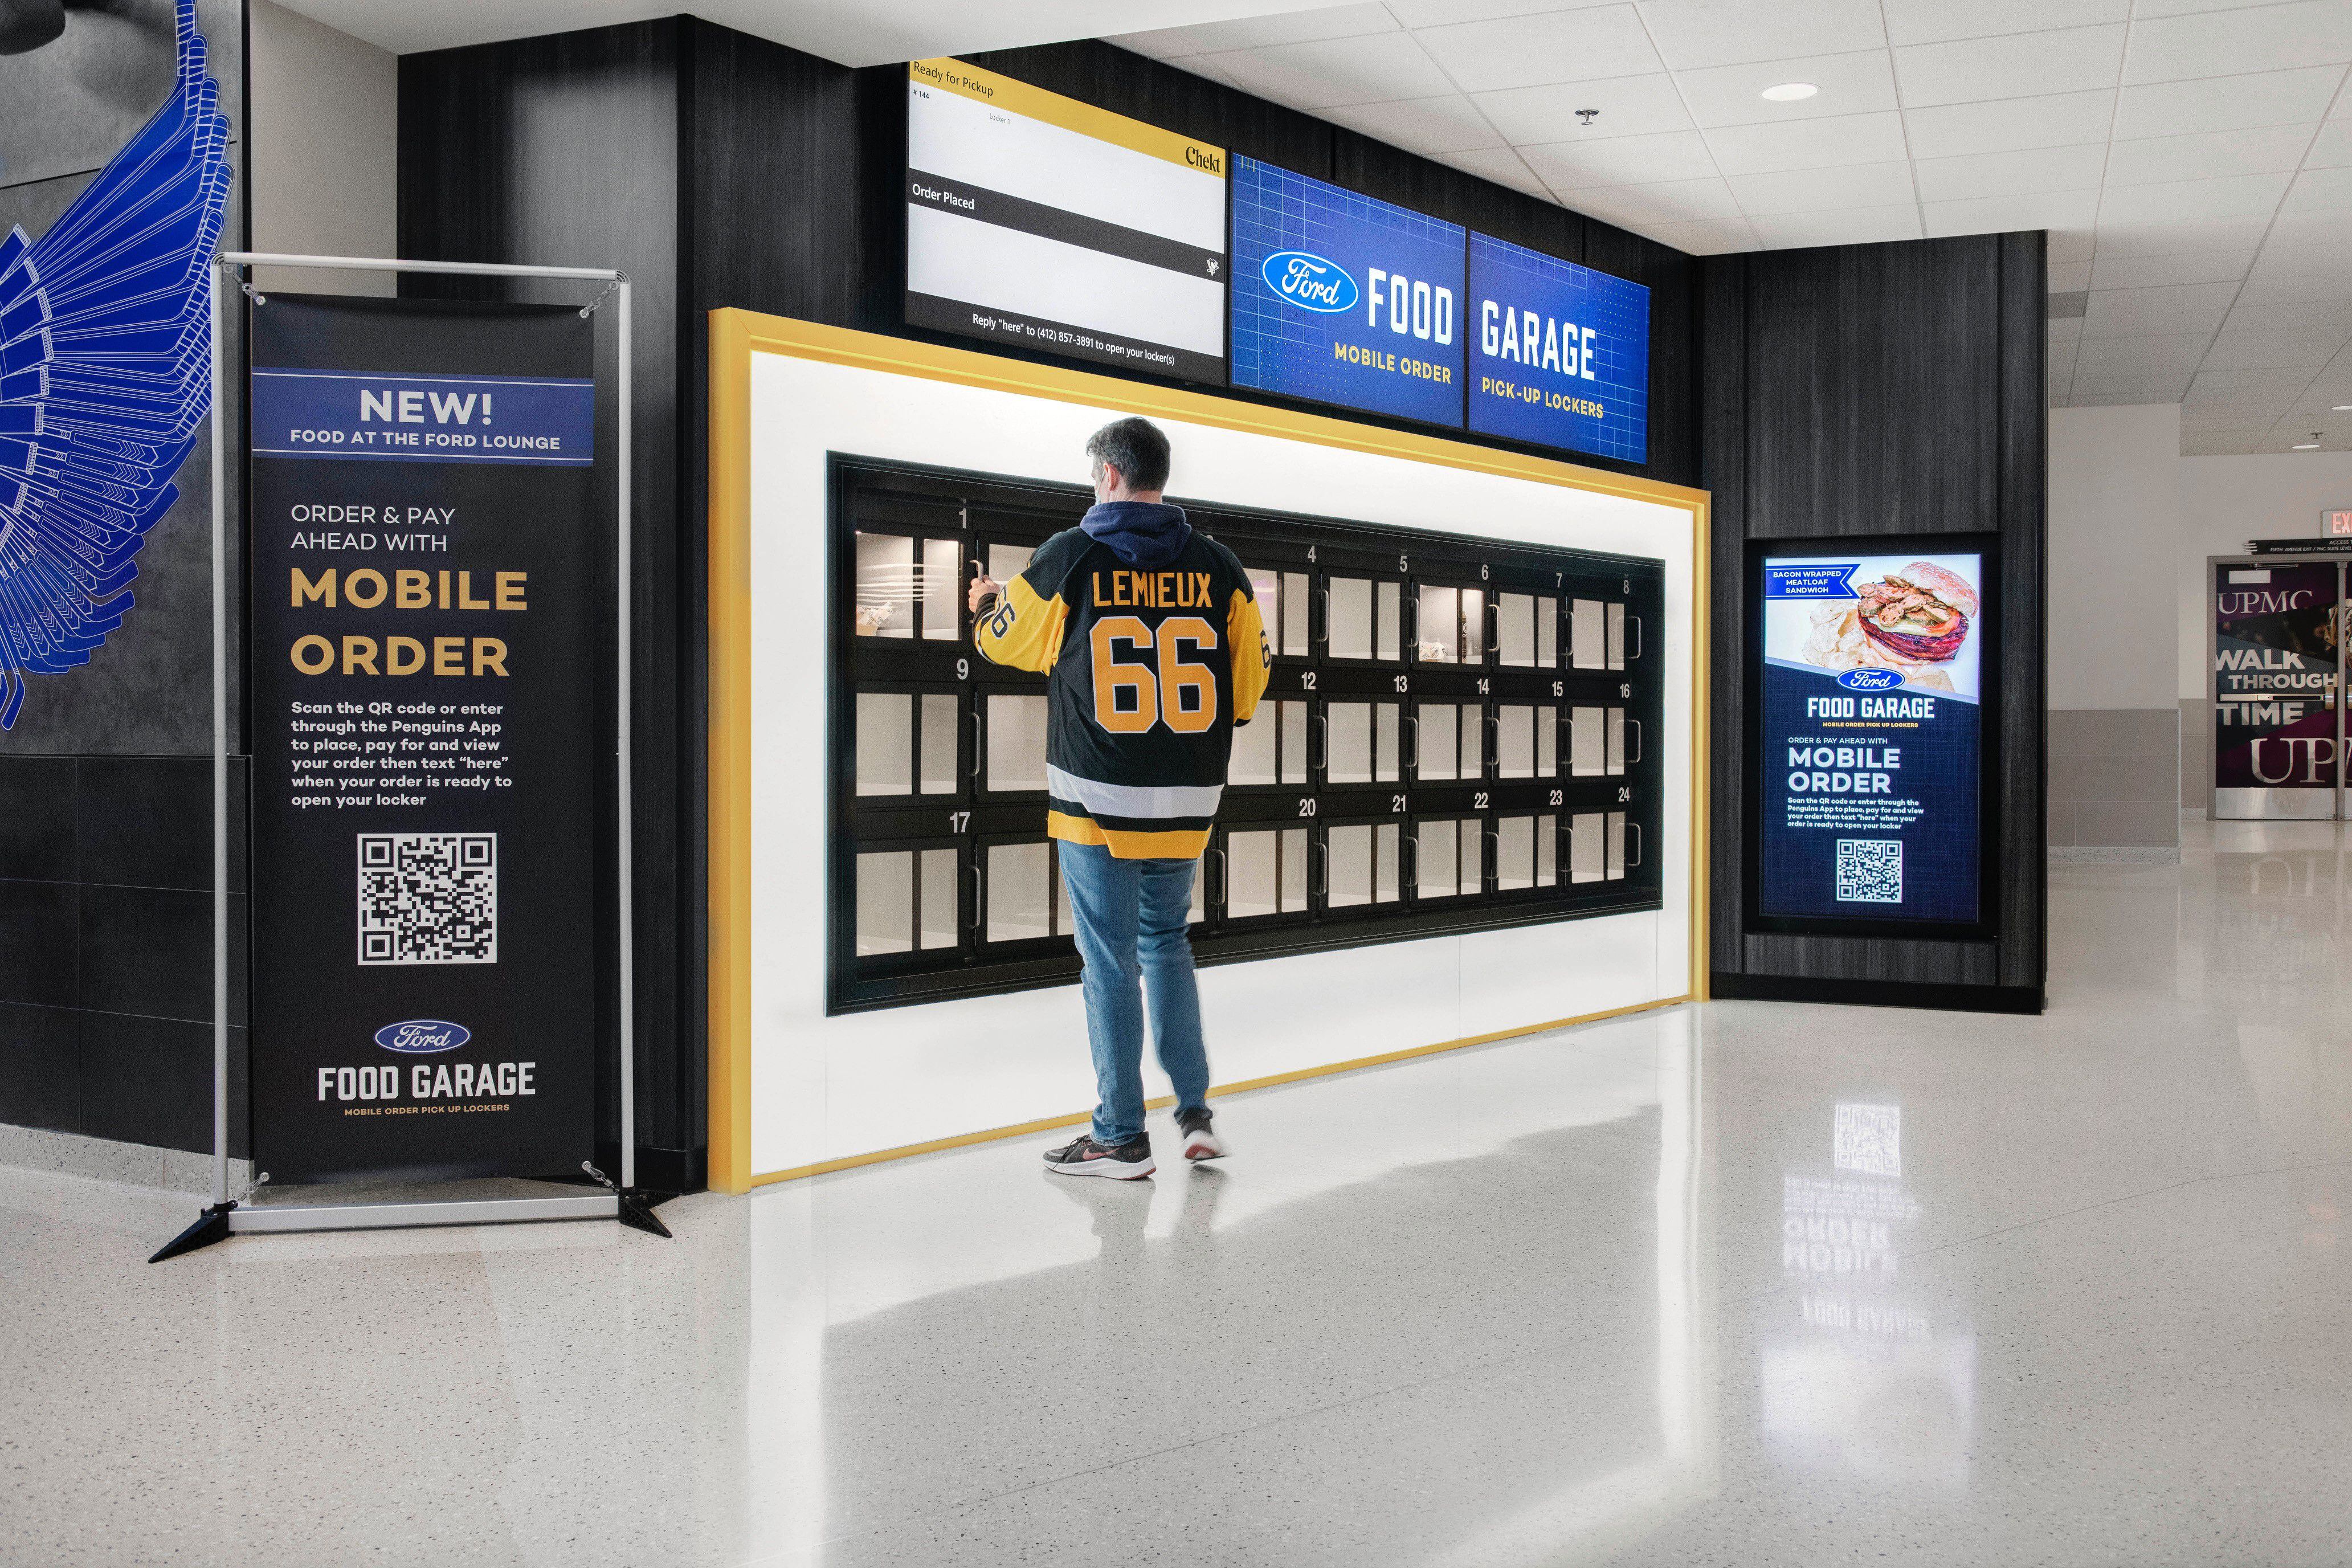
(1139, 532)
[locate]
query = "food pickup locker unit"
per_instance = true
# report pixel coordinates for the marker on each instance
(1453, 739)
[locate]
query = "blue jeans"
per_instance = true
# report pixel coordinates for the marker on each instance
(1130, 917)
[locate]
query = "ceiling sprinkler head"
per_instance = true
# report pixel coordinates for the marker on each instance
(1587, 115)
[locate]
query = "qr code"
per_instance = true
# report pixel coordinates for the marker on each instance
(428, 898)
(1870, 870)
(1868, 1139)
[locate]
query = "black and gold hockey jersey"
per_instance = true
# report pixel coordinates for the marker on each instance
(1150, 634)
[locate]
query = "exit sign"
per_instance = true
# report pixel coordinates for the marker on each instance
(2337, 524)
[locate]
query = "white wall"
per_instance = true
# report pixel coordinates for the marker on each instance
(2114, 515)
(324, 168)
(2225, 501)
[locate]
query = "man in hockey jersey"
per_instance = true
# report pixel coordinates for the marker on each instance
(1151, 634)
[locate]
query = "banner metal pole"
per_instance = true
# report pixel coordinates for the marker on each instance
(216, 274)
(621, 620)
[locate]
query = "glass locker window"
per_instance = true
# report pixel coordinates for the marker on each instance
(1547, 632)
(1616, 740)
(1362, 857)
(1362, 739)
(1616, 636)
(886, 903)
(1515, 742)
(1265, 872)
(1020, 892)
(941, 736)
(1587, 756)
(1363, 618)
(1547, 851)
(1282, 606)
(1616, 846)
(1200, 892)
(1514, 630)
(1453, 628)
(1016, 740)
(939, 925)
(1515, 853)
(1587, 643)
(885, 743)
(1272, 747)
(1547, 742)
(942, 588)
(1436, 743)
(1006, 562)
(1447, 862)
(1587, 862)
(885, 586)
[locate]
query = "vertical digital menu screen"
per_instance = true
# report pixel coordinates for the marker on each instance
(1872, 736)
(1033, 219)
(1559, 354)
(1341, 297)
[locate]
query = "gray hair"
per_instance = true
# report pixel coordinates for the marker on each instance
(1137, 448)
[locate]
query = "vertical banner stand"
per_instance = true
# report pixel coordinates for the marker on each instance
(623, 1201)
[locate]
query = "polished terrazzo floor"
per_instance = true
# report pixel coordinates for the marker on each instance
(1745, 1284)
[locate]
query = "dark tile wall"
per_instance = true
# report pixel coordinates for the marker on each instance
(106, 948)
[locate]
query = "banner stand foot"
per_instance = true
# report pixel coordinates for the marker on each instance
(211, 1226)
(636, 1211)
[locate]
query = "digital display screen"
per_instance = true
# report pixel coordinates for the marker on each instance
(1339, 298)
(1872, 737)
(1559, 354)
(1033, 219)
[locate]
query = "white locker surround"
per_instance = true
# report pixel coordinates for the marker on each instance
(825, 1089)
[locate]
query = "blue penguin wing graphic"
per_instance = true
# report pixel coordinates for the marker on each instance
(105, 374)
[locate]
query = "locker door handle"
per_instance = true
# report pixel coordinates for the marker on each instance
(1317, 886)
(1636, 828)
(1323, 612)
(973, 771)
(1410, 763)
(1636, 757)
(1323, 742)
(1635, 621)
(979, 896)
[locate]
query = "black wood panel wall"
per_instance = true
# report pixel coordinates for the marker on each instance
(722, 169)
(1882, 389)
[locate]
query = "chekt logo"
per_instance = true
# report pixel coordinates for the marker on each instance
(423, 1036)
(1309, 281)
(1868, 680)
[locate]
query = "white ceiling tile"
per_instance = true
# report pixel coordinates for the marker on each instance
(2117, 399)
(2281, 260)
(2069, 277)
(1201, 65)
(1438, 13)
(1822, 190)
(2287, 382)
(1935, 21)
(1499, 165)
(1160, 44)
(2171, 382)
(2000, 215)
(2227, 103)
(2220, 405)
(2321, 316)
(2238, 195)
(1289, 28)
(2261, 350)
(2298, 229)
(1710, 236)
(2183, 8)
(1621, 161)
(1531, 51)
(2075, 60)
(1671, 201)
(2181, 236)
(1808, 143)
(2153, 271)
(2297, 289)
(1629, 106)
(1376, 68)
(2332, 148)
(2204, 444)
(2141, 356)
(2011, 124)
(2065, 329)
(2318, 191)
(2071, 243)
(2222, 43)
(2208, 154)
(1733, 95)
(1431, 125)
(2151, 312)
(1850, 225)
(1695, 34)
(2062, 364)
(2012, 173)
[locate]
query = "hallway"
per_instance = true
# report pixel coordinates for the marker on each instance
(1745, 1283)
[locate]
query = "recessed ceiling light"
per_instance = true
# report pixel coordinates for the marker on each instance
(2306, 446)
(2342, 408)
(1791, 91)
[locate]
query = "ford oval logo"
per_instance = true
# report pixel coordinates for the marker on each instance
(423, 1036)
(1869, 680)
(1310, 282)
